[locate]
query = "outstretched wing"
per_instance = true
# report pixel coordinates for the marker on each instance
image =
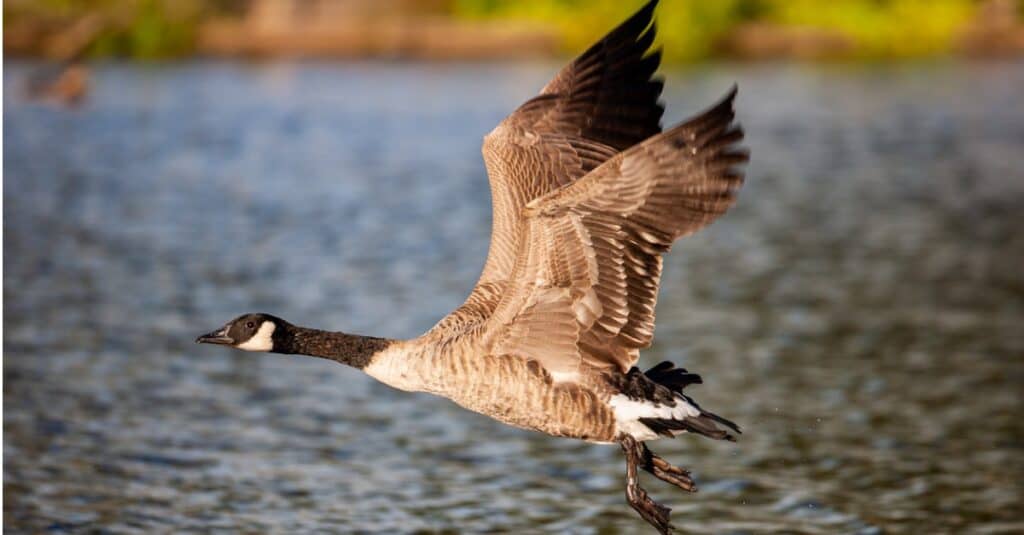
(604, 102)
(600, 104)
(586, 273)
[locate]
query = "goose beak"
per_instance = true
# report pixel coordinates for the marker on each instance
(219, 336)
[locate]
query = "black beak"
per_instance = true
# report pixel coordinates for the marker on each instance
(219, 336)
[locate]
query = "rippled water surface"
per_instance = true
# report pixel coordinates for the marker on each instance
(860, 312)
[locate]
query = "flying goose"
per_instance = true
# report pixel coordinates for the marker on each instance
(588, 194)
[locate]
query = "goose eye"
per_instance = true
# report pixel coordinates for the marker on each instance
(249, 325)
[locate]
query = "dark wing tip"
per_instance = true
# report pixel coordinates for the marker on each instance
(633, 29)
(645, 13)
(721, 110)
(646, 39)
(732, 92)
(725, 104)
(648, 10)
(717, 120)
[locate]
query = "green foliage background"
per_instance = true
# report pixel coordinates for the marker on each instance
(142, 29)
(690, 29)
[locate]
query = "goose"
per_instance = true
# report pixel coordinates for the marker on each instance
(588, 194)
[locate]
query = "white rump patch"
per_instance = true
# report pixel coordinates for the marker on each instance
(261, 341)
(629, 411)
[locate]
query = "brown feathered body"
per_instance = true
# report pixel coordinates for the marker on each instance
(512, 389)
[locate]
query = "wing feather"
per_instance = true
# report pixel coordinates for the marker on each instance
(604, 101)
(594, 246)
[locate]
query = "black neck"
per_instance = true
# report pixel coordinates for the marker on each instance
(351, 349)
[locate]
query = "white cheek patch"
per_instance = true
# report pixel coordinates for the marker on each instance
(261, 341)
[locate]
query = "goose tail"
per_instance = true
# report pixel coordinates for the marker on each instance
(653, 405)
(705, 423)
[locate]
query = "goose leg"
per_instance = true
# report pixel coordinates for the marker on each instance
(665, 471)
(651, 511)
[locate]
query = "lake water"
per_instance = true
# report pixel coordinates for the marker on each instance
(860, 312)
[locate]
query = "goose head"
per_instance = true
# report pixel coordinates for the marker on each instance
(248, 332)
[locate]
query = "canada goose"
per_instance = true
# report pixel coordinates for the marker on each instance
(588, 193)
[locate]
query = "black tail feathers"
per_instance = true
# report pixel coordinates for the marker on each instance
(701, 425)
(676, 379)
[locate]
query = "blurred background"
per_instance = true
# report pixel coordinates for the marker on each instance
(169, 165)
(690, 31)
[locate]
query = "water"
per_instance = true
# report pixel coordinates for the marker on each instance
(859, 313)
